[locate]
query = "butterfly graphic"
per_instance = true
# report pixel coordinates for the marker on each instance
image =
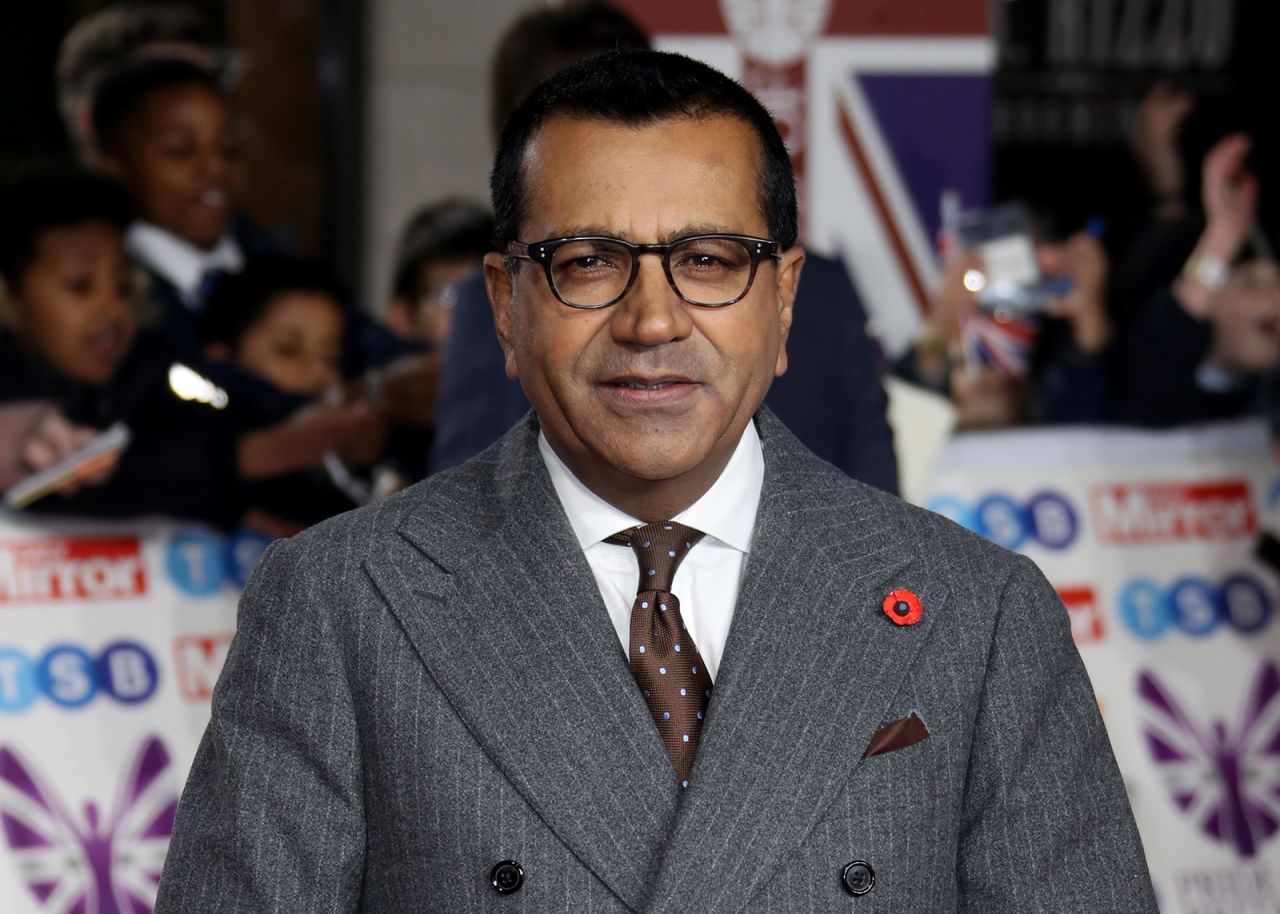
(1226, 780)
(90, 866)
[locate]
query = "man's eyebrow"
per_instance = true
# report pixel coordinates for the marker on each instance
(685, 231)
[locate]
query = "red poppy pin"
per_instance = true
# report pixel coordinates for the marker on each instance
(902, 607)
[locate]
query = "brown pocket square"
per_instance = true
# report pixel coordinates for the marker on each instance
(900, 734)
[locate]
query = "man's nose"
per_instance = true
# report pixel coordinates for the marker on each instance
(651, 313)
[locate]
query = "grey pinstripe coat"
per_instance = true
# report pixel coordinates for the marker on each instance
(423, 688)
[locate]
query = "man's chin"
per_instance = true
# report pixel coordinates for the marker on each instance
(654, 465)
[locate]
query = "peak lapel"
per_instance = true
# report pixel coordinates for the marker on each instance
(510, 625)
(810, 669)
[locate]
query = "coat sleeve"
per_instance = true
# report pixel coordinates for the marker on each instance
(1046, 824)
(477, 402)
(272, 816)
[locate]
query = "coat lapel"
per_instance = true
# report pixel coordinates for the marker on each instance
(810, 671)
(505, 614)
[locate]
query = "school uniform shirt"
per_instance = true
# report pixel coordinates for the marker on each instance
(181, 264)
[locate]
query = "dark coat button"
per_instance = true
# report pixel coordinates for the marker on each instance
(858, 878)
(507, 876)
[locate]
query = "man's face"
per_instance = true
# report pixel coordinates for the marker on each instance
(651, 387)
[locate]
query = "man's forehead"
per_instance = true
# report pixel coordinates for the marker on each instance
(665, 178)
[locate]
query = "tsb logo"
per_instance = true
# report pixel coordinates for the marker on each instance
(71, 677)
(201, 563)
(1046, 518)
(1194, 606)
(1165, 512)
(50, 570)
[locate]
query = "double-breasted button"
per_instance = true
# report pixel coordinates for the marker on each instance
(858, 878)
(507, 876)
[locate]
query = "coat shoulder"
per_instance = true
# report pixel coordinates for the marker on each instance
(854, 512)
(465, 500)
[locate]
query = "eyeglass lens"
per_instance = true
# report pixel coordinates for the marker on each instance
(706, 271)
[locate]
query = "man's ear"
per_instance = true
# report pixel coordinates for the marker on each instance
(787, 280)
(498, 283)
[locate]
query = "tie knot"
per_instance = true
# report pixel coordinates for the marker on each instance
(660, 548)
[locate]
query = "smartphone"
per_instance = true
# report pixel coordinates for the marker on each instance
(102, 451)
(1011, 280)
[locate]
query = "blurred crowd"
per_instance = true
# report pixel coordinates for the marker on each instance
(256, 391)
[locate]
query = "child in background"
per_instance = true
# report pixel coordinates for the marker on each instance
(283, 320)
(69, 335)
(166, 134)
(441, 243)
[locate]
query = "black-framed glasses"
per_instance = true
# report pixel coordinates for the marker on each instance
(595, 271)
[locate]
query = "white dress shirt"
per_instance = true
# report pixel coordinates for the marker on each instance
(708, 580)
(180, 262)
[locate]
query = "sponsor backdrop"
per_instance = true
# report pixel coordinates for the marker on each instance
(111, 638)
(1149, 540)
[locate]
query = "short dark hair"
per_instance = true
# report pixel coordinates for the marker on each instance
(50, 198)
(444, 230)
(545, 39)
(124, 89)
(242, 299)
(640, 88)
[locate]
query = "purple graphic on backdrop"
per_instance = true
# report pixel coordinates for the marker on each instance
(912, 111)
(87, 865)
(1226, 780)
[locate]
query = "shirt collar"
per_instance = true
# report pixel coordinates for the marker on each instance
(726, 511)
(178, 261)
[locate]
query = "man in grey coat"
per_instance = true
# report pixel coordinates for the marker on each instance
(816, 697)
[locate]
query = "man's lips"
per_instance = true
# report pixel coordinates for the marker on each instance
(639, 382)
(653, 389)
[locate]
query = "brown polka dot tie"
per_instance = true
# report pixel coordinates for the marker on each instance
(664, 660)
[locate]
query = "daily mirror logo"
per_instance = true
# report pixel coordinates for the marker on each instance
(50, 570)
(1163, 512)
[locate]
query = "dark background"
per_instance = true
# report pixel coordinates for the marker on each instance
(1072, 71)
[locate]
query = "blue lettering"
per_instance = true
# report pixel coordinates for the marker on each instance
(1047, 518)
(71, 677)
(1002, 520)
(66, 676)
(195, 562)
(1245, 604)
(1144, 609)
(1195, 606)
(18, 686)
(127, 672)
(1053, 520)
